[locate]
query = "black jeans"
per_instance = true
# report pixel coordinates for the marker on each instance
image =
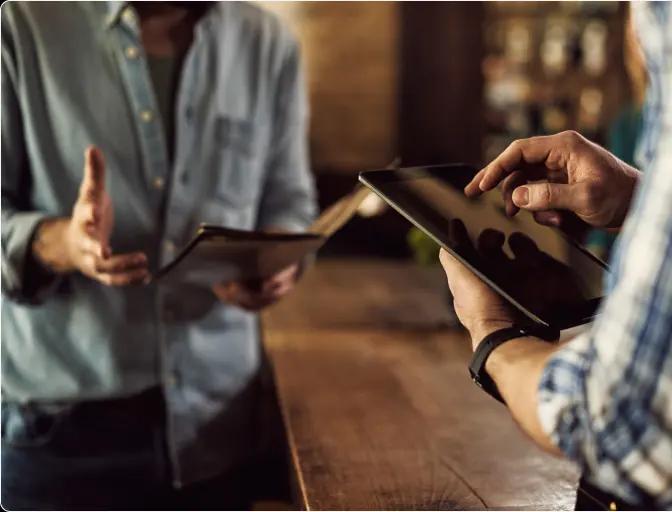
(102, 455)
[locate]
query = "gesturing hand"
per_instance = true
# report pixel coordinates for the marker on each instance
(82, 241)
(253, 296)
(88, 231)
(549, 174)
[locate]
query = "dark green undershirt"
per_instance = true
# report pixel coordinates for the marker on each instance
(165, 75)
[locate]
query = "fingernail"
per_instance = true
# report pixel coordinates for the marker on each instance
(521, 196)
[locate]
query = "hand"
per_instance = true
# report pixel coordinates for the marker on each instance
(81, 242)
(537, 280)
(479, 308)
(254, 296)
(564, 172)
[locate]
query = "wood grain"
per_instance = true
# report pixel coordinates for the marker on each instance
(378, 405)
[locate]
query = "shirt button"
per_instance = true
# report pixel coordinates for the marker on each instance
(132, 52)
(128, 15)
(147, 116)
(158, 183)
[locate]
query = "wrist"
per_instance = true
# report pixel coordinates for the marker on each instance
(50, 246)
(508, 354)
(481, 329)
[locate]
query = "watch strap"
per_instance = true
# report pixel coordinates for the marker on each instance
(493, 340)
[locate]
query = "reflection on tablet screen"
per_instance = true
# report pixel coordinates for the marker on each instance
(535, 266)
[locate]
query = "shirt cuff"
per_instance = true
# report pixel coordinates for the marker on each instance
(23, 279)
(562, 407)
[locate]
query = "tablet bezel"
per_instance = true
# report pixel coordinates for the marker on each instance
(375, 180)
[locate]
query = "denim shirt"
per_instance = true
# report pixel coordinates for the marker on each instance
(74, 74)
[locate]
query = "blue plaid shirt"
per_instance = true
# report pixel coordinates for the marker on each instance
(606, 396)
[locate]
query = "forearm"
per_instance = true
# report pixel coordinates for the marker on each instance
(49, 246)
(25, 278)
(517, 367)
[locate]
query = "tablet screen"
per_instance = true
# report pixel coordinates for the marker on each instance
(539, 270)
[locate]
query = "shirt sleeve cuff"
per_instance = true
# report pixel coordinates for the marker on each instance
(562, 407)
(23, 279)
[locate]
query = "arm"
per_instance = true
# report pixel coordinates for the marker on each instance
(603, 398)
(288, 196)
(22, 280)
(38, 248)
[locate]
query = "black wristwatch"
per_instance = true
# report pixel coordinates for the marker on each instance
(494, 340)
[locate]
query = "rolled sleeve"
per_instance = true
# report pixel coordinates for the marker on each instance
(604, 398)
(562, 398)
(23, 279)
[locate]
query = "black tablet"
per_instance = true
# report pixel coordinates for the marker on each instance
(547, 276)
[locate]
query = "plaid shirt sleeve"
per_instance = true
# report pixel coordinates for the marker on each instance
(605, 398)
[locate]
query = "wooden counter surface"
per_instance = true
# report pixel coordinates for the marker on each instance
(377, 402)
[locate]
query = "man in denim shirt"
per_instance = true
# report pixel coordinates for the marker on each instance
(124, 126)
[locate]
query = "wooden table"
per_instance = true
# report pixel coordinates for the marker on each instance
(379, 409)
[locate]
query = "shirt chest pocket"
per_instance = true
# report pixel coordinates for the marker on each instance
(237, 167)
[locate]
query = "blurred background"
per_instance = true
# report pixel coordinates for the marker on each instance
(435, 82)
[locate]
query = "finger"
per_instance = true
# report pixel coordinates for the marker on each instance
(93, 182)
(87, 214)
(456, 272)
(280, 290)
(123, 278)
(509, 184)
(522, 154)
(226, 292)
(253, 305)
(548, 196)
(238, 294)
(551, 218)
(567, 222)
(249, 301)
(92, 246)
(473, 189)
(283, 278)
(121, 263)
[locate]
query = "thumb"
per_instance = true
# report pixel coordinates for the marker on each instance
(93, 182)
(546, 196)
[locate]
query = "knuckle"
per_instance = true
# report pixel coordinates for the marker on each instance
(571, 137)
(543, 194)
(516, 145)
